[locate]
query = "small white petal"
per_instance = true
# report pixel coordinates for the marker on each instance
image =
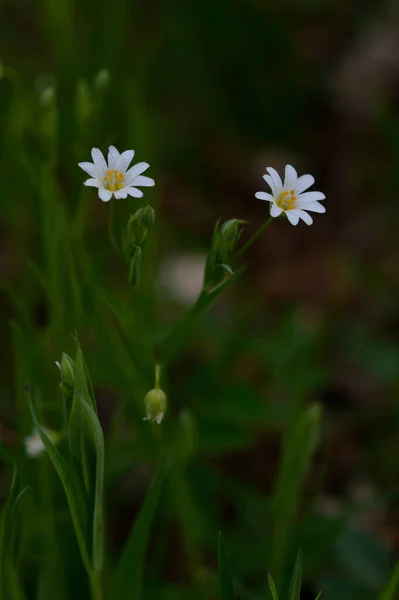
(135, 171)
(88, 168)
(99, 161)
(303, 215)
(291, 178)
(264, 196)
(278, 184)
(270, 183)
(105, 195)
(134, 192)
(92, 183)
(292, 217)
(275, 211)
(312, 206)
(304, 182)
(143, 180)
(113, 158)
(121, 194)
(126, 159)
(311, 197)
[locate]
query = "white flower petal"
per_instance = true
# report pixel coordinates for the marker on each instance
(143, 180)
(292, 217)
(311, 197)
(264, 196)
(88, 168)
(92, 183)
(277, 183)
(270, 183)
(105, 195)
(113, 158)
(126, 159)
(134, 192)
(303, 215)
(291, 178)
(304, 182)
(312, 206)
(135, 171)
(99, 161)
(121, 194)
(275, 211)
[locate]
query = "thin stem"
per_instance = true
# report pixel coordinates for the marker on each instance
(111, 232)
(96, 587)
(254, 237)
(157, 375)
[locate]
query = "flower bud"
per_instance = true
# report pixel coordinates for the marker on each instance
(155, 405)
(67, 371)
(155, 401)
(224, 242)
(139, 226)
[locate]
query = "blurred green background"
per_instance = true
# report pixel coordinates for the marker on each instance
(209, 92)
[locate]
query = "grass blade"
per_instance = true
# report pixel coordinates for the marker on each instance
(128, 579)
(392, 589)
(72, 487)
(272, 587)
(9, 586)
(296, 581)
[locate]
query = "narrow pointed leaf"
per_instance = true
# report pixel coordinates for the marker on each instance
(73, 490)
(296, 581)
(391, 591)
(9, 586)
(272, 587)
(129, 574)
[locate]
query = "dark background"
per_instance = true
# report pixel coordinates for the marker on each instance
(211, 92)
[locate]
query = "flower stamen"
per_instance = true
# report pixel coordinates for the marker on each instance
(114, 180)
(284, 202)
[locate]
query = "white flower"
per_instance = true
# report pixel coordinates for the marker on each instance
(34, 445)
(114, 178)
(289, 197)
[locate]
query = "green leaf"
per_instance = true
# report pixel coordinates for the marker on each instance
(392, 589)
(128, 579)
(73, 490)
(319, 595)
(299, 447)
(83, 427)
(9, 585)
(226, 585)
(295, 587)
(272, 587)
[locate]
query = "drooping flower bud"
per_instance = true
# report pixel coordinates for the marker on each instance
(155, 401)
(224, 242)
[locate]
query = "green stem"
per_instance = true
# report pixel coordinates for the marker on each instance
(254, 237)
(183, 328)
(111, 232)
(96, 587)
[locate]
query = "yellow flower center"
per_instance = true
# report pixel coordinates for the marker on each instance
(286, 200)
(114, 180)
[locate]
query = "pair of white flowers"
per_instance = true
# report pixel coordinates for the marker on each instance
(114, 178)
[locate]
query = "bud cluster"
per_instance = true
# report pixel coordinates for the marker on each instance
(224, 242)
(134, 239)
